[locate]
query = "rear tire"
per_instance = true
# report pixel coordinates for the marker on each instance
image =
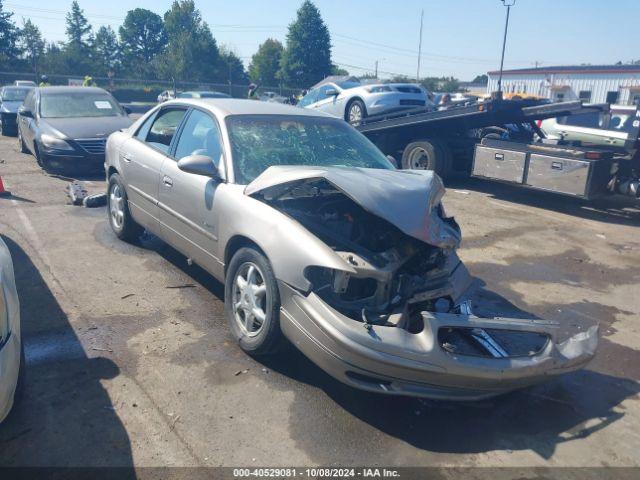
(356, 112)
(250, 272)
(427, 155)
(3, 128)
(120, 219)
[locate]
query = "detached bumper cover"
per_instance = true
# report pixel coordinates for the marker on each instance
(392, 360)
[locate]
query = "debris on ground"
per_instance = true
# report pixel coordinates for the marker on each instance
(186, 285)
(102, 349)
(240, 372)
(77, 193)
(127, 296)
(94, 201)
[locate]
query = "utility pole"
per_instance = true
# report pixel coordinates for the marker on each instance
(508, 4)
(420, 47)
(376, 74)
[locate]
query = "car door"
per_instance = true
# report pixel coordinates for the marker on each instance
(141, 159)
(27, 125)
(329, 103)
(309, 99)
(188, 217)
(585, 128)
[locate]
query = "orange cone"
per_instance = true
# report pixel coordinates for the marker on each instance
(3, 192)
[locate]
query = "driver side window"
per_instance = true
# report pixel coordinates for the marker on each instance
(309, 98)
(163, 128)
(200, 136)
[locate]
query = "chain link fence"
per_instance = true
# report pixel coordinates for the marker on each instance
(127, 90)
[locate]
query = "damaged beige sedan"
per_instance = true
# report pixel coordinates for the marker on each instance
(320, 240)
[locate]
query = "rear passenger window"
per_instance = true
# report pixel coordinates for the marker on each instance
(163, 128)
(200, 136)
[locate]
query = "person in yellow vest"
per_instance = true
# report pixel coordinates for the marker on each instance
(44, 81)
(88, 81)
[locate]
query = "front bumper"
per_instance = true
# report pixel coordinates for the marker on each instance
(73, 160)
(394, 361)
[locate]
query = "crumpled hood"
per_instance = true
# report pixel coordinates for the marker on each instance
(408, 199)
(88, 127)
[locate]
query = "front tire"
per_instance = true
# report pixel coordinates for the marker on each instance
(21, 144)
(356, 112)
(120, 219)
(252, 303)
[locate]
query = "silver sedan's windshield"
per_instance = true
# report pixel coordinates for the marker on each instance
(261, 141)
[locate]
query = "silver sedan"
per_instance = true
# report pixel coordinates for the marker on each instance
(11, 357)
(319, 240)
(350, 100)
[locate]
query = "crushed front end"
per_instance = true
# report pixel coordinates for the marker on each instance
(397, 318)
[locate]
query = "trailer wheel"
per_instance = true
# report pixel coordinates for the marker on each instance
(427, 155)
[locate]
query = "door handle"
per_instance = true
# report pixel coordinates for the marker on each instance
(167, 181)
(127, 157)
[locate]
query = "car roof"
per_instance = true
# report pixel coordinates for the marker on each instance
(16, 87)
(224, 107)
(54, 90)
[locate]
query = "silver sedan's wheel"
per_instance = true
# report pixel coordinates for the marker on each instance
(250, 299)
(356, 112)
(122, 224)
(116, 206)
(252, 302)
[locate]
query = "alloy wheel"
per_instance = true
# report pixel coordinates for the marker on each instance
(355, 114)
(250, 299)
(116, 206)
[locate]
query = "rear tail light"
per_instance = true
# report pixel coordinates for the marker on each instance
(539, 123)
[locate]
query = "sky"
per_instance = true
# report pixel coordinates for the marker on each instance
(461, 38)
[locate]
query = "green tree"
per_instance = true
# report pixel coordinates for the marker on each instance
(78, 49)
(232, 67)
(9, 36)
(192, 53)
(336, 70)
(142, 39)
(78, 28)
(265, 63)
(107, 50)
(32, 44)
(307, 57)
(482, 79)
(53, 60)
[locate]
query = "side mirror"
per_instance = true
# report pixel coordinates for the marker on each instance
(25, 113)
(127, 110)
(393, 160)
(332, 92)
(199, 165)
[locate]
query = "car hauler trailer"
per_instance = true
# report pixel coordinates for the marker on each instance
(448, 141)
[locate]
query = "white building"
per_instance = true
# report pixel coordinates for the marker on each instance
(590, 83)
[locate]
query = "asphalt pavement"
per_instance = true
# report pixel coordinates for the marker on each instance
(130, 360)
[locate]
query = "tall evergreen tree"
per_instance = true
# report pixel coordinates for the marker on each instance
(107, 50)
(307, 57)
(265, 63)
(32, 44)
(78, 28)
(142, 39)
(192, 53)
(9, 35)
(78, 49)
